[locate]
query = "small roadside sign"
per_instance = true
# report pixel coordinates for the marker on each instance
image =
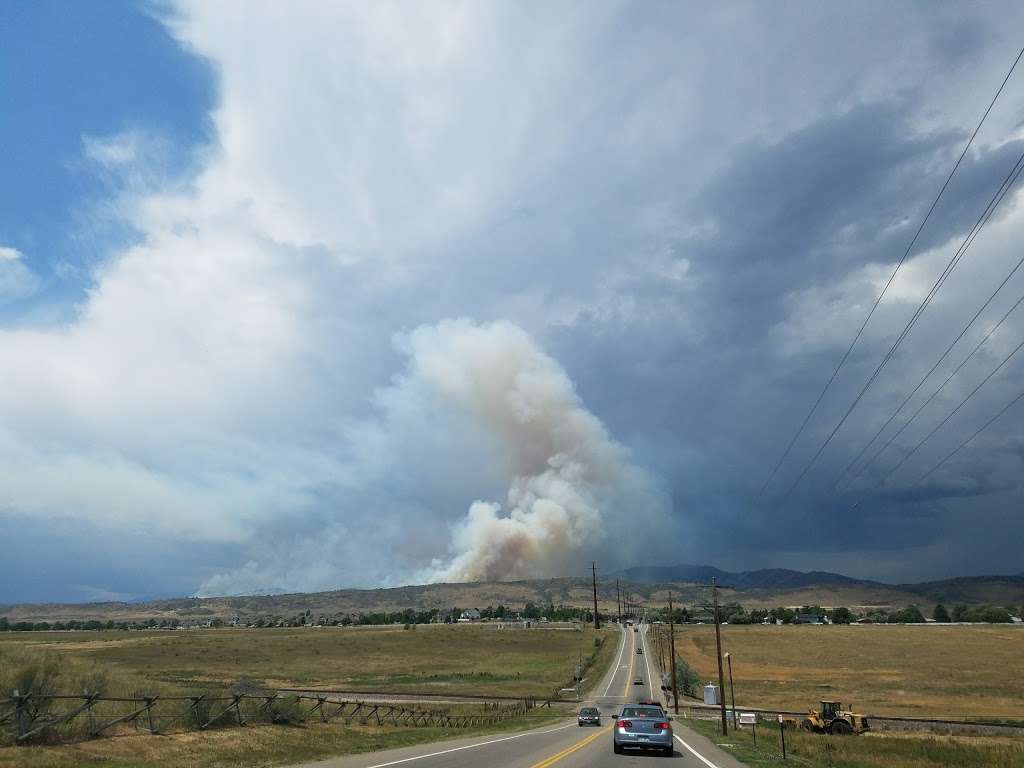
(748, 718)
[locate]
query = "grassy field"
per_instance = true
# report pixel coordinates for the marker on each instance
(943, 671)
(868, 751)
(450, 659)
(437, 659)
(257, 746)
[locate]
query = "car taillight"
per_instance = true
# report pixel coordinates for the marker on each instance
(624, 724)
(662, 726)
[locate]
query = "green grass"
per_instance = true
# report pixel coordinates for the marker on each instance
(875, 750)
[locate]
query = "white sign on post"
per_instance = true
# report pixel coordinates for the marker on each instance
(748, 718)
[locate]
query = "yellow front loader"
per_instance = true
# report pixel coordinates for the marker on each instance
(832, 718)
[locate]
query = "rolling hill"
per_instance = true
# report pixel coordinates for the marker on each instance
(649, 585)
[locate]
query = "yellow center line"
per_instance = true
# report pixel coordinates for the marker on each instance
(632, 658)
(566, 752)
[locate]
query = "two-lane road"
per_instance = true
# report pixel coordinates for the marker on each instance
(564, 745)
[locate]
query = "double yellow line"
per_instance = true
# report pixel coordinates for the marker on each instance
(568, 751)
(583, 742)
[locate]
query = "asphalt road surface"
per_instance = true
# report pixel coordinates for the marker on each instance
(565, 744)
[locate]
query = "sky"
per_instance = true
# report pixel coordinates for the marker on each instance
(300, 297)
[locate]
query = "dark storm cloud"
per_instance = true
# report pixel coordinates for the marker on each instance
(687, 212)
(714, 411)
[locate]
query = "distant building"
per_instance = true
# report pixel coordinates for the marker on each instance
(446, 615)
(470, 614)
(809, 618)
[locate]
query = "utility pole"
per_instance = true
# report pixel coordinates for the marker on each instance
(732, 690)
(718, 646)
(597, 621)
(618, 601)
(672, 653)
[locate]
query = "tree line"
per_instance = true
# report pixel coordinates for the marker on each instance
(731, 613)
(734, 613)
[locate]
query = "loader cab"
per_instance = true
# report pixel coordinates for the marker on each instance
(830, 709)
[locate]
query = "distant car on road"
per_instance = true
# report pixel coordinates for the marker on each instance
(639, 650)
(638, 680)
(589, 716)
(642, 727)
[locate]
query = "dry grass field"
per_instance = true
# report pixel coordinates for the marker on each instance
(943, 671)
(451, 659)
(439, 659)
(870, 751)
(238, 747)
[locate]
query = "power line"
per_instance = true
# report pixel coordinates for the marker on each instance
(933, 395)
(960, 447)
(888, 283)
(936, 287)
(952, 413)
(966, 244)
(977, 432)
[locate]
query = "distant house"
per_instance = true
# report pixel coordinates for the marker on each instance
(446, 616)
(809, 618)
(470, 614)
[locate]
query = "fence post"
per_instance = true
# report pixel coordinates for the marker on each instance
(22, 719)
(90, 699)
(149, 712)
(782, 733)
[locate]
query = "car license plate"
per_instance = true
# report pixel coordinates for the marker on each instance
(643, 738)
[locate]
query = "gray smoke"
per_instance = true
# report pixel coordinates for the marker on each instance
(564, 467)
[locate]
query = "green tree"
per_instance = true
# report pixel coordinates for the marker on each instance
(940, 613)
(785, 615)
(531, 611)
(841, 615)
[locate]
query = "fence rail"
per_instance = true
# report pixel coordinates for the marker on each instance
(1001, 726)
(29, 718)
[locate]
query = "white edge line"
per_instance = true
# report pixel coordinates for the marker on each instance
(469, 746)
(696, 754)
(678, 738)
(615, 669)
(647, 661)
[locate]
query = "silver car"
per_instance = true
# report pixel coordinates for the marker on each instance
(589, 716)
(642, 727)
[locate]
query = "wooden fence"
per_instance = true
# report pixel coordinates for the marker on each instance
(30, 718)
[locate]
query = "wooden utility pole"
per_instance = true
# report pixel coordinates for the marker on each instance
(732, 690)
(597, 621)
(618, 601)
(718, 646)
(672, 654)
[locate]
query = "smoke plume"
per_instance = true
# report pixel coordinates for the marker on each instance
(479, 412)
(563, 468)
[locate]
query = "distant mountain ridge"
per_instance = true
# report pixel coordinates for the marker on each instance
(765, 588)
(764, 578)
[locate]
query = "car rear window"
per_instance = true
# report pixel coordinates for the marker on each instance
(588, 711)
(642, 712)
